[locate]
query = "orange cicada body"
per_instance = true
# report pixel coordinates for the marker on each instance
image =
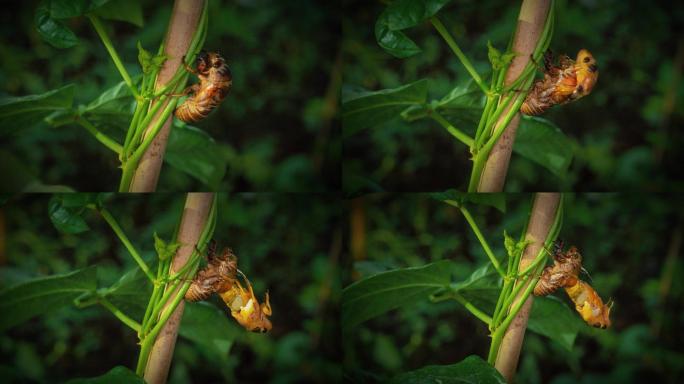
(217, 276)
(589, 305)
(215, 79)
(567, 81)
(246, 309)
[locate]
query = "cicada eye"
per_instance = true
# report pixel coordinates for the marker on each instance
(587, 59)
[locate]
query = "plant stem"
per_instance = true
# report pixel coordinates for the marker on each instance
(119, 314)
(454, 47)
(101, 137)
(462, 137)
(472, 308)
(127, 243)
(99, 28)
(482, 239)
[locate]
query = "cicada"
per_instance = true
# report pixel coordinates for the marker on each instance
(215, 80)
(563, 273)
(562, 83)
(246, 309)
(589, 305)
(220, 276)
(217, 276)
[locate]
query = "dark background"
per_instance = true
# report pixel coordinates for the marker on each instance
(287, 244)
(625, 136)
(277, 126)
(631, 246)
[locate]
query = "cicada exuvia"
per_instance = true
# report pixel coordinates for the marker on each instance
(215, 79)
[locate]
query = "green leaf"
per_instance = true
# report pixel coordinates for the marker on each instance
(498, 60)
(22, 112)
(472, 369)
(544, 143)
(65, 211)
(122, 10)
(53, 31)
(463, 105)
(509, 244)
(64, 9)
(113, 108)
(163, 249)
(148, 62)
(209, 328)
(456, 198)
(131, 293)
(194, 152)
(400, 15)
(552, 318)
(116, 375)
(373, 108)
(481, 288)
(40, 296)
(380, 293)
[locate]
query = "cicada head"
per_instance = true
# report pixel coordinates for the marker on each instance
(203, 63)
(587, 71)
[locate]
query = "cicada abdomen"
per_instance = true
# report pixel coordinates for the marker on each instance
(246, 309)
(215, 79)
(589, 305)
(562, 83)
(563, 273)
(217, 276)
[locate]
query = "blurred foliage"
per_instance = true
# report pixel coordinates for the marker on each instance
(624, 135)
(287, 244)
(277, 129)
(632, 248)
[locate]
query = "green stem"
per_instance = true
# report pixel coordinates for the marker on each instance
(461, 56)
(482, 240)
(101, 137)
(119, 314)
(99, 28)
(127, 243)
(473, 309)
(462, 137)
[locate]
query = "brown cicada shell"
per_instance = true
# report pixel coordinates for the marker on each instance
(218, 276)
(589, 305)
(563, 273)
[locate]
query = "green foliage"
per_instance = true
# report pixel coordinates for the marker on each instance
(544, 143)
(368, 109)
(17, 113)
(164, 250)
(66, 212)
(552, 318)
(117, 374)
(400, 15)
(43, 295)
(380, 293)
(472, 369)
(456, 198)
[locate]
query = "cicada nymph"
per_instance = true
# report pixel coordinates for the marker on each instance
(246, 309)
(217, 276)
(562, 83)
(589, 304)
(215, 80)
(220, 276)
(564, 273)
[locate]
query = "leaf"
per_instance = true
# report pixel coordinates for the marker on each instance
(194, 152)
(22, 112)
(116, 375)
(481, 287)
(148, 62)
(544, 143)
(53, 31)
(498, 60)
(463, 104)
(131, 293)
(64, 9)
(209, 328)
(122, 10)
(163, 249)
(552, 318)
(400, 15)
(65, 212)
(373, 108)
(113, 108)
(456, 198)
(472, 369)
(380, 293)
(40, 296)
